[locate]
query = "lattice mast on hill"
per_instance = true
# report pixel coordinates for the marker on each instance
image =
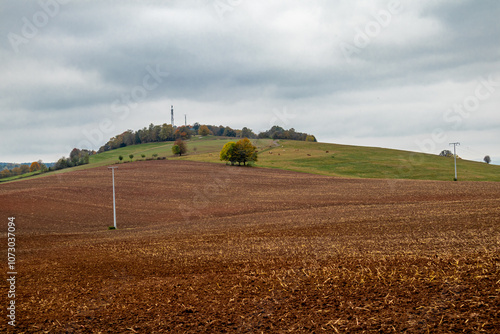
(172, 115)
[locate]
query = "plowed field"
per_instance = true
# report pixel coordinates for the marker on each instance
(218, 249)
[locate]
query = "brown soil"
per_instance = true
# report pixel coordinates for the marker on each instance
(218, 249)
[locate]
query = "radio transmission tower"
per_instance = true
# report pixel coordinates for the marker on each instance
(172, 115)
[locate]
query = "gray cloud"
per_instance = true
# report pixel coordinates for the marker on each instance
(239, 64)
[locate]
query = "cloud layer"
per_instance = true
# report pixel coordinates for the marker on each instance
(397, 74)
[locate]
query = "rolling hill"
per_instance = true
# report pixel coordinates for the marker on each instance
(316, 158)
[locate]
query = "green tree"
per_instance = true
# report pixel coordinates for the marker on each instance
(245, 151)
(120, 157)
(487, 159)
(154, 133)
(227, 153)
(247, 133)
(179, 147)
(131, 156)
(228, 132)
(446, 153)
(143, 135)
(75, 155)
(62, 163)
(167, 132)
(43, 167)
(128, 138)
(84, 158)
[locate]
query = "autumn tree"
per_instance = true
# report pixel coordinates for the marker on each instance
(16, 171)
(227, 153)
(179, 147)
(5, 173)
(183, 132)
(243, 151)
(203, 130)
(24, 169)
(311, 138)
(35, 166)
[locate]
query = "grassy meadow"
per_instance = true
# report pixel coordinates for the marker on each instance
(316, 158)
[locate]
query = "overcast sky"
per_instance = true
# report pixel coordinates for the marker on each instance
(411, 75)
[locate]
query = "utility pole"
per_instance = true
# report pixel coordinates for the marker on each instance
(455, 156)
(114, 200)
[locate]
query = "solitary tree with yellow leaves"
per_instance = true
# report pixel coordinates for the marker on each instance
(243, 151)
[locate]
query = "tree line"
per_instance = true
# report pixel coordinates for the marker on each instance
(77, 157)
(22, 169)
(166, 132)
(277, 132)
(448, 153)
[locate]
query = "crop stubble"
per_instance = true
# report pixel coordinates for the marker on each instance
(212, 248)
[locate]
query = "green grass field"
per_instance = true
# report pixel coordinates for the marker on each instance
(370, 162)
(316, 158)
